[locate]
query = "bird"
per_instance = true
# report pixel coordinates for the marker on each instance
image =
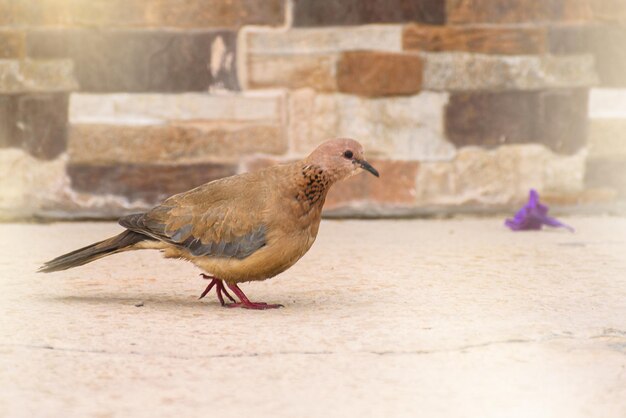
(242, 228)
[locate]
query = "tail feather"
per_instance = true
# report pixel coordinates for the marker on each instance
(93, 252)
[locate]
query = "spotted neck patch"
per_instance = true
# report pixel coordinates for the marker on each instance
(315, 183)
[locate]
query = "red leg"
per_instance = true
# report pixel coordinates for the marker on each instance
(245, 302)
(219, 288)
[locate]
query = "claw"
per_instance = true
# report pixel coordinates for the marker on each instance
(220, 290)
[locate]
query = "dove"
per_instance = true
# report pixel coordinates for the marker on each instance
(237, 229)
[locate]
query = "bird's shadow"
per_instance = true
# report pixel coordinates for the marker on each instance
(138, 301)
(158, 300)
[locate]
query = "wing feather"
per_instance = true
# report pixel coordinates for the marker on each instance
(214, 220)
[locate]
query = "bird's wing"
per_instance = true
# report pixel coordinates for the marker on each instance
(219, 219)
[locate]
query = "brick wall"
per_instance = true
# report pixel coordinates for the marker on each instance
(107, 107)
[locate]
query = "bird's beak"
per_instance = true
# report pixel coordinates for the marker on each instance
(367, 166)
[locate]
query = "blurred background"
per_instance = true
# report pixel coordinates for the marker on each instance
(107, 107)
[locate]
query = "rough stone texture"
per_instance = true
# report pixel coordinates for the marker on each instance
(375, 74)
(408, 128)
(607, 173)
(607, 104)
(28, 184)
(142, 61)
(609, 10)
(605, 42)
(36, 122)
(356, 12)
(7, 121)
(187, 14)
(482, 178)
(517, 11)
(12, 44)
(366, 192)
(607, 138)
(29, 76)
(556, 118)
(464, 72)
(436, 317)
(150, 109)
(322, 40)
(148, 182)
(476, 39)
(180, 142)
(292, 71)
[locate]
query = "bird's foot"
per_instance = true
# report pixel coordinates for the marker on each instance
(219, 288)
(245, 302)
(253, 305)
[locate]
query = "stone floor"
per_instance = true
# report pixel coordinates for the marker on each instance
(382, 318)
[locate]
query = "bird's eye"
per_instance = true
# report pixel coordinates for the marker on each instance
(348, 154)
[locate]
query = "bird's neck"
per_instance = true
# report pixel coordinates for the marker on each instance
(312, 185)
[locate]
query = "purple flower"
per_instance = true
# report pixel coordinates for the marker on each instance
(533, 216)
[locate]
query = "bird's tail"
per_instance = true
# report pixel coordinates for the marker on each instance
(93, 252)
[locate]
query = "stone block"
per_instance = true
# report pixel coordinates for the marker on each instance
(393, 190)
(476, 39)
(321, 40)
(28, 184)
(7, 122)
(12, 44)
(372, 73)
(154, 109)
(466, 72)
(607, 173)
(29, 76)
(293, 71)
(608, 10)
(141, 61)
(180, 142)
(605, 42)
(405, 128)
(517, 11)
(184, 14)
(557, 119)
(479, 178)
(213, 13)
(41, 124)
(148, 182)
(607, 104)
(36, 123)
(357, 12)
(607, 138)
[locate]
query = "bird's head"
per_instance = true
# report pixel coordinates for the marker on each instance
(340, 158)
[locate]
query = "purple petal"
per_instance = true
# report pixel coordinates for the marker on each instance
(533, 216)
(556, 223)
(533, 198)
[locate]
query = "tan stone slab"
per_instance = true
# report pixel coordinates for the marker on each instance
(463, 71)
(405, 128)
(503, 176)
(321, 40)
(151, 109)
(476, 39)
(517, 11)
(607, 138)
(375, 74)
(607, 103)
(190, 142)
(292, 71)
(187, 14)
(437, 318)
(12, 44)
(28, 76)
